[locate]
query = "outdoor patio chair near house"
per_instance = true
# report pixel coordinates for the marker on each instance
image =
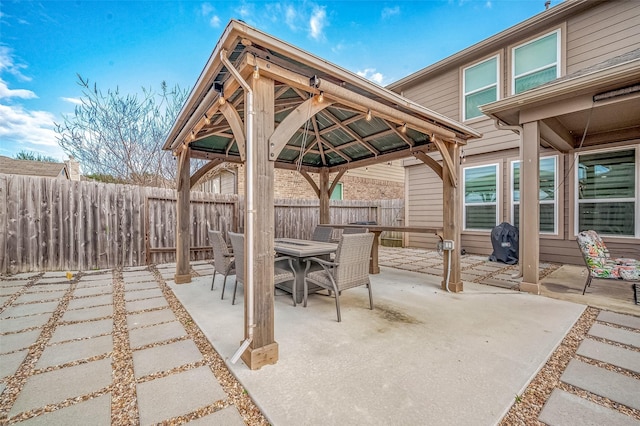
(322, 234)
(602, 266)
(281, 274)
(349, 269)
(223, 260)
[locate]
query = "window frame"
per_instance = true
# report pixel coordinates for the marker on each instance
(339, 186)
(576, 183)
(558, 63)
(555, 201)
(464, 90)
(496, 202)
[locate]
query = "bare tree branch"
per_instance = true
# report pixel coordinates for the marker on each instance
(121, 135)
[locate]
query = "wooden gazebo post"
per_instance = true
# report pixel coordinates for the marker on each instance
(183, 235)
(529, 237)
(263, 348)
(324, 196)
(451, 216)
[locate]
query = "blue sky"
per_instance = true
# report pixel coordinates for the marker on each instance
(134, 44)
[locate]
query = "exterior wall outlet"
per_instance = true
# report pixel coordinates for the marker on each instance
(447, 245)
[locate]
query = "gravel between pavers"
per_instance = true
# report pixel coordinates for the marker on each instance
(124, 404)
(527, 406)
(124, 409)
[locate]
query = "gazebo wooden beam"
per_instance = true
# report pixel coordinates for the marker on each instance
(287, 128)
(203, 171)
(344, 96)
(236, 124)
(429, 161)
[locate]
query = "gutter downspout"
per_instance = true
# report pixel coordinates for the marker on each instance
(519, 131)
(249, 201)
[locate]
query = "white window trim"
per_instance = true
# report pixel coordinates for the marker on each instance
(576, 180)
(557, 63)
(555, 194)
(496, 202)
(464, 89)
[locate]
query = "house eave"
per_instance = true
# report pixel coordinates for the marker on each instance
(506, 110)
(547, 17)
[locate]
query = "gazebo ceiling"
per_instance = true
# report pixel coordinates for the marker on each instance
(345, 121)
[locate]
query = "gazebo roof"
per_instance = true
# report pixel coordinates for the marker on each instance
(340, 120)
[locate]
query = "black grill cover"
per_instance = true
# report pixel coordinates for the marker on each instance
(504, 239)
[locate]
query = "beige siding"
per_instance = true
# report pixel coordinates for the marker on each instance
(393, 172)
(440, 94)
(424, 203)
(227, 183)
(601, 33)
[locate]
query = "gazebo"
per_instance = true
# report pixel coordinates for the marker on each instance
(267, 104)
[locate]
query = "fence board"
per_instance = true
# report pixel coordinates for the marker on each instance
(55, 224)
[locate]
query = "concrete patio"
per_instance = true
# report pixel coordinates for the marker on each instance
(422, 356)
(119, 347)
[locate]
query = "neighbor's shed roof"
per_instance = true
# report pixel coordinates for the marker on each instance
(12, 166)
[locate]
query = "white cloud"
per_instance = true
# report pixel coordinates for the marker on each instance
(245, 11)
(8, 64)
(390, 11)
(22, 129)
(215, 21)
(488, 4)
(371, 74)
(290, 17)
(27, 127)
(317, 23)
(75, 101)
(208, 12)
(206, 9)
(338, 48)
(5, 92)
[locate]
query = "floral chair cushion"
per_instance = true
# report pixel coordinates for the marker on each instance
(600, 263)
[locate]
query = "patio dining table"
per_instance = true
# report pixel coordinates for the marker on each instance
(374, 267)
(301, 250)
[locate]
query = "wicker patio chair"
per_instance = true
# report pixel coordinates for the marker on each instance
(322, 234)
(349, 269)
(601, 265)
(281, 274)
(223, 260)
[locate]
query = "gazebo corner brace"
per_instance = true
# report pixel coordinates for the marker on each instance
(249, 203)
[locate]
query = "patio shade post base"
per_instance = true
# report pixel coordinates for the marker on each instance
(182, 279)
(453, 287)
(533, 288)
(256, 358)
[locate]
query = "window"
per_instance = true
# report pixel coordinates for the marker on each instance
(337, 192)
(547, 195)
(480, 86)
(480, 197)
(536, 62)
(608, 192)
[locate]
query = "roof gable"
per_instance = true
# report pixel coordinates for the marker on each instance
(12, 166)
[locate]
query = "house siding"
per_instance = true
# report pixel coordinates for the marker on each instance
(439, 94)
(601, 33)
(593, 35)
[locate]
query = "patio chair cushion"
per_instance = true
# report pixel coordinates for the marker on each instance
(599, 262)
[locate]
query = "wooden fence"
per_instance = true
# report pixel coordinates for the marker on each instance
(54, 224)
